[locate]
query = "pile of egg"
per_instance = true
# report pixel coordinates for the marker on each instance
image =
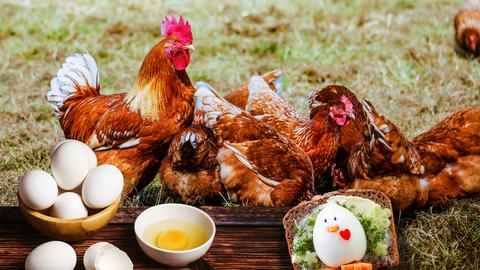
(99, 256)
(77, 183)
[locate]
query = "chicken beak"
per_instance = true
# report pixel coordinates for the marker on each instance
(333, 228)
(351, 115)
(189, 47)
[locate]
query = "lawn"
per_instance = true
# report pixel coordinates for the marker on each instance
(399, 54)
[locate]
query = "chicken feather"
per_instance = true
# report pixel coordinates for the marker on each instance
(325, 142)
(467, 28)
(247, 169)
(191, 173)
(130, 131)
(384, 149)
(450, 155)
(190, 170)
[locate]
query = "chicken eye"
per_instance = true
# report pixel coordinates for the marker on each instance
(335, 218)
(325, 220)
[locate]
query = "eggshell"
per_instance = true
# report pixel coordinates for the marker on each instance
(331, 248)
(112, 258)
(91, 254)
(69, 205)
(70, 164)
(90, 152)
(53, 255)
(102, 187)
(38, 190)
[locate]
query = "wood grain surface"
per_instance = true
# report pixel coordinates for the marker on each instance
(247, 238)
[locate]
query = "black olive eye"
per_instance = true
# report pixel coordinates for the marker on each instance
(334, 218)
(325, 220)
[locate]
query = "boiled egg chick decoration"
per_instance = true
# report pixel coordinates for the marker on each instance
(338, 236)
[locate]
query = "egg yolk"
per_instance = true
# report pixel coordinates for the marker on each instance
(172, 240)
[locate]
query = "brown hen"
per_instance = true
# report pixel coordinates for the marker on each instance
(467, 27)
(131, 131)
(335, 126)
(239, 96)
(449, 165)
(386, 161)
(258, 166)
(451, 154)
(383, 150)
(190, 170)
(199, 183)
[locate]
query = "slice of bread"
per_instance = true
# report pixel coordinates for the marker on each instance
(304, 209)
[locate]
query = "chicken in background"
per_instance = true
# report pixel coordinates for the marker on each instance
(386, 161)
(449, 165)
(258, 166)
(190, 172)
(131, 131)
(240, 95)
(335, 126)
(383, 150)
(268, 107)
(467, 27)
(451, 154)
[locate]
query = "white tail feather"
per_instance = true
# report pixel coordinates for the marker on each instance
(278, 82)
(258, 85)
(78, 70)
(209, 101)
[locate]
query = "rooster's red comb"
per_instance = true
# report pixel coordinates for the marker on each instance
(180, 28)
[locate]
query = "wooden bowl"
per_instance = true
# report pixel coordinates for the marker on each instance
(69, 229)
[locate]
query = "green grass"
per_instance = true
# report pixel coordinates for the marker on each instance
(397, 53)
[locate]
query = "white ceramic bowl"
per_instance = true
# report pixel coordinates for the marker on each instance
(174, 211)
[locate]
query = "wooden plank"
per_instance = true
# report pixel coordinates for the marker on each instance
(254, 216)
(247, 238)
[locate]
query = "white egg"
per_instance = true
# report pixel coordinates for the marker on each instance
(90, 152)
(102, 187)
(106, 256)
(53, 255)
(38, 190)
(69, 205)
(70, 164)
(338, 236)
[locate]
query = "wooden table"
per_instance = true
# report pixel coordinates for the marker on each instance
(247, 238)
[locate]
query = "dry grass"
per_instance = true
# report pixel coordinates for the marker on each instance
(446, 238)
(398, 53)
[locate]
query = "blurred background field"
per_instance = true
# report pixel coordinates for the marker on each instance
(399, 54)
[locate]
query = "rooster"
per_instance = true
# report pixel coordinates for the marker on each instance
(131, 131)
(467, 27)
(444, 162)
(335, 126)
(190, 169)
(248, 172)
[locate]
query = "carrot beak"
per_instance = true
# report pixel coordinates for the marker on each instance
(333, 228)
